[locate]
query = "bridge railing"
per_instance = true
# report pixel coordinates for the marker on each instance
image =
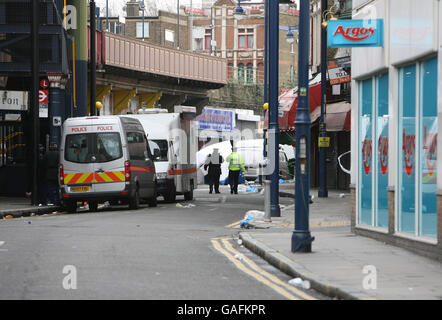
(142, 56)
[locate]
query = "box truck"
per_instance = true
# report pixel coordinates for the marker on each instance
(173, 141)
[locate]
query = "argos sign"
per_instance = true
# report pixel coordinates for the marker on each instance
(355, 33)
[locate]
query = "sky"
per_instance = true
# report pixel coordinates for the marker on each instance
(116, 6)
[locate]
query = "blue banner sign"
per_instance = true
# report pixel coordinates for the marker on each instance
(216, 119)
(355, 33)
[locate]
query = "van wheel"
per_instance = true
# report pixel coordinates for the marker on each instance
(93, 206)
(171, 196)
(188, 196)
(134, 202)
(152, 202)
(71, 206)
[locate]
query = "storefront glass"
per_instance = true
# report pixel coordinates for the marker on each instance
(382, 151)
(428, 165)
(407, 166)
(365, 173)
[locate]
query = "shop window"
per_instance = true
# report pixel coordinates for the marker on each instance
(373, 172)
(418, 149)
(428, 163)
(381, 148)
(366, 145)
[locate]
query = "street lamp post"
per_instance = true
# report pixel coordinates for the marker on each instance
(323, 191)
(301, 238)
(35, 99)
(142, 7)
(273, 132)
(178, 25)
(93, 58)
(266, 75)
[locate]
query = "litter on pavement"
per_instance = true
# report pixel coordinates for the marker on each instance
(188, 205)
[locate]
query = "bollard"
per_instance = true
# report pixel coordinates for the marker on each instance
(267, 216)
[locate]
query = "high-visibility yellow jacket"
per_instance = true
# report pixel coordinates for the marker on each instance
(235, 162)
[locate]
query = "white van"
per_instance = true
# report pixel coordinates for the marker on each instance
(252, 154)
(106, 158)
(173, 140)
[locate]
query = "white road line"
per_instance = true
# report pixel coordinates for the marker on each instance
(2, 243)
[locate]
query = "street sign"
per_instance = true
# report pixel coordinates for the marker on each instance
(14, 100)
(43, 96)
(44, 83)
(324, 142)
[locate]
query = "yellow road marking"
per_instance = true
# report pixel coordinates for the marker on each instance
(270, 276)
(253, 274)
(233, 224)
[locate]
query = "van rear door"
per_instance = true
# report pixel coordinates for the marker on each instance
(77, 161)
(109, 157)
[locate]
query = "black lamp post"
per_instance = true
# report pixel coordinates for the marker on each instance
(301, 238)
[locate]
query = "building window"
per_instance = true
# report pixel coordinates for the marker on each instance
(208, 39)
(169, 35)
(417, 208)
(249, 73)
(198, 44)
(245, 38)
(140, 29)
(241, 72)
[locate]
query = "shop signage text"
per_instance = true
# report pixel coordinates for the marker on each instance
(355, 33)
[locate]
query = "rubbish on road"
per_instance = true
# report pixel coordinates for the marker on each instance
(189, 205)
(245, 222)
(262, 191)
(239, 257)
(306, 284)
(252, 189)
(254, 214)
(240, 242)
(8, 217)
(298, 282)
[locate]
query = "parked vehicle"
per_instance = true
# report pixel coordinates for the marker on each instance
(106, 158)
(252, 153)
(173, 140)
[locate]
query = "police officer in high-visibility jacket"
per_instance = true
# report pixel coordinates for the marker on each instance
(236, 164)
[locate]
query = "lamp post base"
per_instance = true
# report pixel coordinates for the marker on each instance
(302, 241)
(275, 211)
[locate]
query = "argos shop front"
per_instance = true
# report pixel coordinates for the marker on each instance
(396, 176)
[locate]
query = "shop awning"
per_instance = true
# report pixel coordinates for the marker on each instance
(288, 102)
(337, 118)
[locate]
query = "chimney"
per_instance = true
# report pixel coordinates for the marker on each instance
(132, 9)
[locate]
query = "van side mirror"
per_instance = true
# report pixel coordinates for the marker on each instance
(156, 154)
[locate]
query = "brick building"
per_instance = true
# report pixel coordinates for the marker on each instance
(217, 32)
(160, 29)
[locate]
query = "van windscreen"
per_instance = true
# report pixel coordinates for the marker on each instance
(93, 147)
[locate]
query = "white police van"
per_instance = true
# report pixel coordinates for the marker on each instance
(106, 158)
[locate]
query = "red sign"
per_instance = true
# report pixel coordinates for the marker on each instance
(43, 96)
(366, 155)
(408, 149)
(383, 154)
(44, 83)
(355, 34)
